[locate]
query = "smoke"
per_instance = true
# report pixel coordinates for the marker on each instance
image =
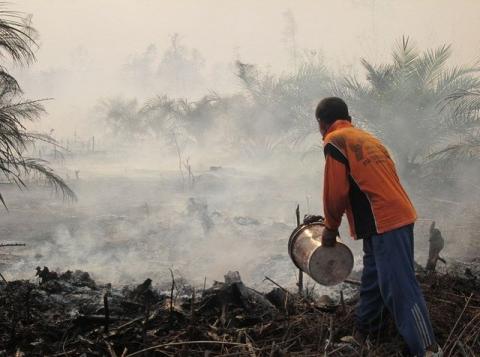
(191, 151)
(128, 228)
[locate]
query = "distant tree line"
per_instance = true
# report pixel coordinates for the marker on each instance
(425, 110)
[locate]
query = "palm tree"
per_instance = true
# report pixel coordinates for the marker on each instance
(123, 117)
(465, 145)
(281, 106)
(16, 43)
(401, 101)
(194, 118)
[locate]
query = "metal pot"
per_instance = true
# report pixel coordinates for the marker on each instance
(325, 265)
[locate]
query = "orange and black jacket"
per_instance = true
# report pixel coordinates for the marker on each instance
(361, 180)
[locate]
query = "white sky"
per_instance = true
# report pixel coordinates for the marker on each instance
(109, 31)
(112, 29)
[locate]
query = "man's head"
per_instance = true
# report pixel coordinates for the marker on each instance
(329, 110)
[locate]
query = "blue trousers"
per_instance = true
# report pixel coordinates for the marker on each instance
(388, 281)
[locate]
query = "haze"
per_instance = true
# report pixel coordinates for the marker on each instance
(198, 161)
(95, 39)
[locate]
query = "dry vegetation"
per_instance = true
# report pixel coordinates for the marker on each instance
(70, 315)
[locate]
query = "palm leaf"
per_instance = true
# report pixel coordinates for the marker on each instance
(465, 100)
(404, 54)
(465, 149)
(17, 43)
(456, 78)
(29, 165)
(430, 65)
(16, 36)
(379, 76)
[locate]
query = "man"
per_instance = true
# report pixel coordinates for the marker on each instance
(361, 180)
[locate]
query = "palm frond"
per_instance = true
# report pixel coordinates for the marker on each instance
(465, 149)
(404, 54)
(17, 43)
(29, 165)
(160, 103)
(456, 78)
(13, 135)
(379, 76)
(465, 100)
(16, 36)
(430, 65)
(8, 84)
(42, 137)
(248, 75)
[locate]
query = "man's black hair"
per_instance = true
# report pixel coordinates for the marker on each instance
(331, 109)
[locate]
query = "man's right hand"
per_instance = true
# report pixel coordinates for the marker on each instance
(329, 237)
(311, 218)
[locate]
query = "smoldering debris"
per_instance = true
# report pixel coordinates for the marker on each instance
(121, 238)
(68, 314)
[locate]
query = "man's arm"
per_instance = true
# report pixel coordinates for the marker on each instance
(335, 196)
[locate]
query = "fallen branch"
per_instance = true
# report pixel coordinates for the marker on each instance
(3, 245)
(456, 323)
(189, 343)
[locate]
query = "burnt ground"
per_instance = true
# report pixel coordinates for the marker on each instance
(128, 229)
(69, 314)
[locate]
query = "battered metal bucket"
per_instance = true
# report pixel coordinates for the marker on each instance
(326, 265)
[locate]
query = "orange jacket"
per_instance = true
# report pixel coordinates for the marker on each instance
(361, 180)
